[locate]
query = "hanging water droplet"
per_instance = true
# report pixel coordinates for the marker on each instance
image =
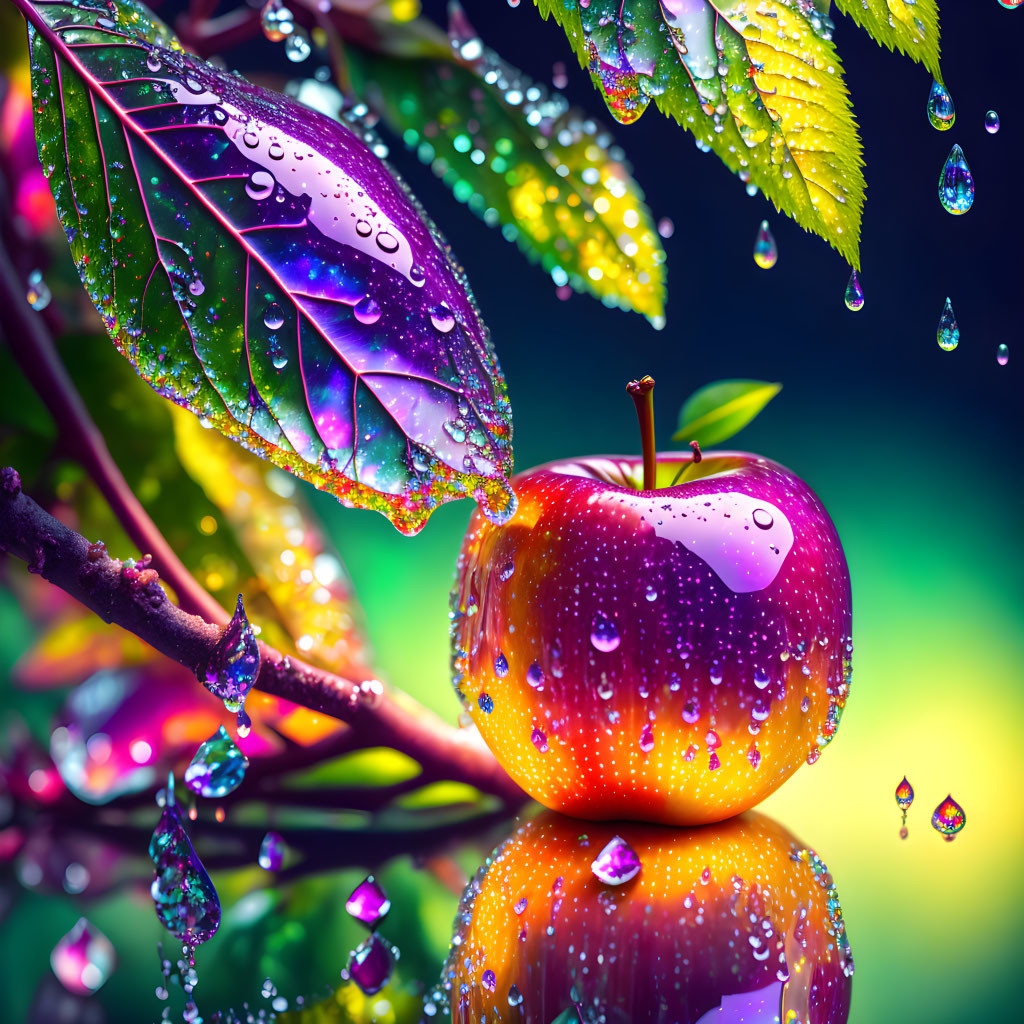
(368, 903)
(218, 766)
(260, 185)
(941, 112)
(948, 334)
(904, 795)
(243, 723)
(617, 863)
(272, 852)
(956, 185)
(1003, 354)
(366, 310)
(234, 663)
(948, 819)
(83, 959)
(184, 897)
(991, 122)
(370, 965)
(766, 252)
(854, 297)
(38, 294)
(276, 20)
(442, 318)
(603, 634)
(273, 316)
(296, 46)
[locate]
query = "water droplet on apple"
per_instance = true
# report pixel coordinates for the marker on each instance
(617, 863)
(500, 665)
(647, 738)
(535, 676)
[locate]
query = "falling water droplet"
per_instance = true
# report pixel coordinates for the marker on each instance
(260, 185)
(1003, 354)
(38, 293)
(218, 766)
(647, 738)
(854, 297)
(948, 819)
(368, 903)
(83, 959)
(666, 228)
(617, 863)
(272, 852)
(184, 897)
(296, 46)
(234, 663)
(956, 185)
(991, 122)
(366, 310)
(904, 796)
(273, 316)
(603, 634)
(941, 112)
(948, 334)
(370, 965)
(766, 252)
(276, 20)
(442, 318)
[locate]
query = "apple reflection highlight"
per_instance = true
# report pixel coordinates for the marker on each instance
(731, 923)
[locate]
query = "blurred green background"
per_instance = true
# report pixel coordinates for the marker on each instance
(915, 451)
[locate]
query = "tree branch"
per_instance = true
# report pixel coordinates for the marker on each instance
(129, 594)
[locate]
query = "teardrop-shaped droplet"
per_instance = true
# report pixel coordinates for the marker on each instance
(83, 959)
(854, 297)
(603, 634)
(218, 766)
(235, 662)
(366, 310)
(1003, 354)
(184, 897)
(904, 794)
(948, 818)
(535, 676)
(368, 903)
(956, 185)
(442, 317)
(273, 316)
(296, 46)
(766, 252)
(948, 334)
(370, 965)
(38, 292)
(941, 112)
(617, 863)
(991, 122)
(500, 665)
(272, 852)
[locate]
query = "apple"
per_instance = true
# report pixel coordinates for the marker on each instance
(670, 652)
(730, 922)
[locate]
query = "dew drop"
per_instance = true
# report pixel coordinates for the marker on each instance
(370, 965)
(854, 296)
(617, 862)
(366, 310)
(234, 663)
(991, 122)
(250, 139)
(153, 61)
(276, 151)
(440, 315)
(948, 334)
(387, 242)
(766, 252)
(273, 316)
(603, 634)
(500, 665)
(956, 185)
(539, 740)
(364, 228)
(489, 980)
(762, 518)
(260, 185)
(486, 703)
(647, 738)
(941, 112)
(514, 996)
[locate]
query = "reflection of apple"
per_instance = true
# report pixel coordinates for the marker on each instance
(723, 923)
(671, 654)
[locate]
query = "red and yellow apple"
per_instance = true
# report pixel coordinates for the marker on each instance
(669, 654)
(720, 923)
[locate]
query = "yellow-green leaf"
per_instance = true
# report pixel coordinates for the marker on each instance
(717, 411)
(911, 28)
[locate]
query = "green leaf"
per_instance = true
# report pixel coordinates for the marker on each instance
(717, 411)
(520, 157)
(911, 28)
(760, 85)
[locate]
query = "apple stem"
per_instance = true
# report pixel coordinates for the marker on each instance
(642, 393)
(697, 456)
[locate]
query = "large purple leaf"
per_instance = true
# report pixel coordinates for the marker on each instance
(261, 267)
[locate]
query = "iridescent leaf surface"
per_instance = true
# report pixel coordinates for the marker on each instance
(910, 26)
(257, 264)
(760, 85)
(520, 157)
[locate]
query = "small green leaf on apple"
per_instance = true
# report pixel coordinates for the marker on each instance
(717, 411)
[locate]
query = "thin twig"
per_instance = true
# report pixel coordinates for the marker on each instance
(131, 596)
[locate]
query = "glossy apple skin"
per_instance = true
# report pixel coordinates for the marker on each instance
(726, 923)
(732, 665)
